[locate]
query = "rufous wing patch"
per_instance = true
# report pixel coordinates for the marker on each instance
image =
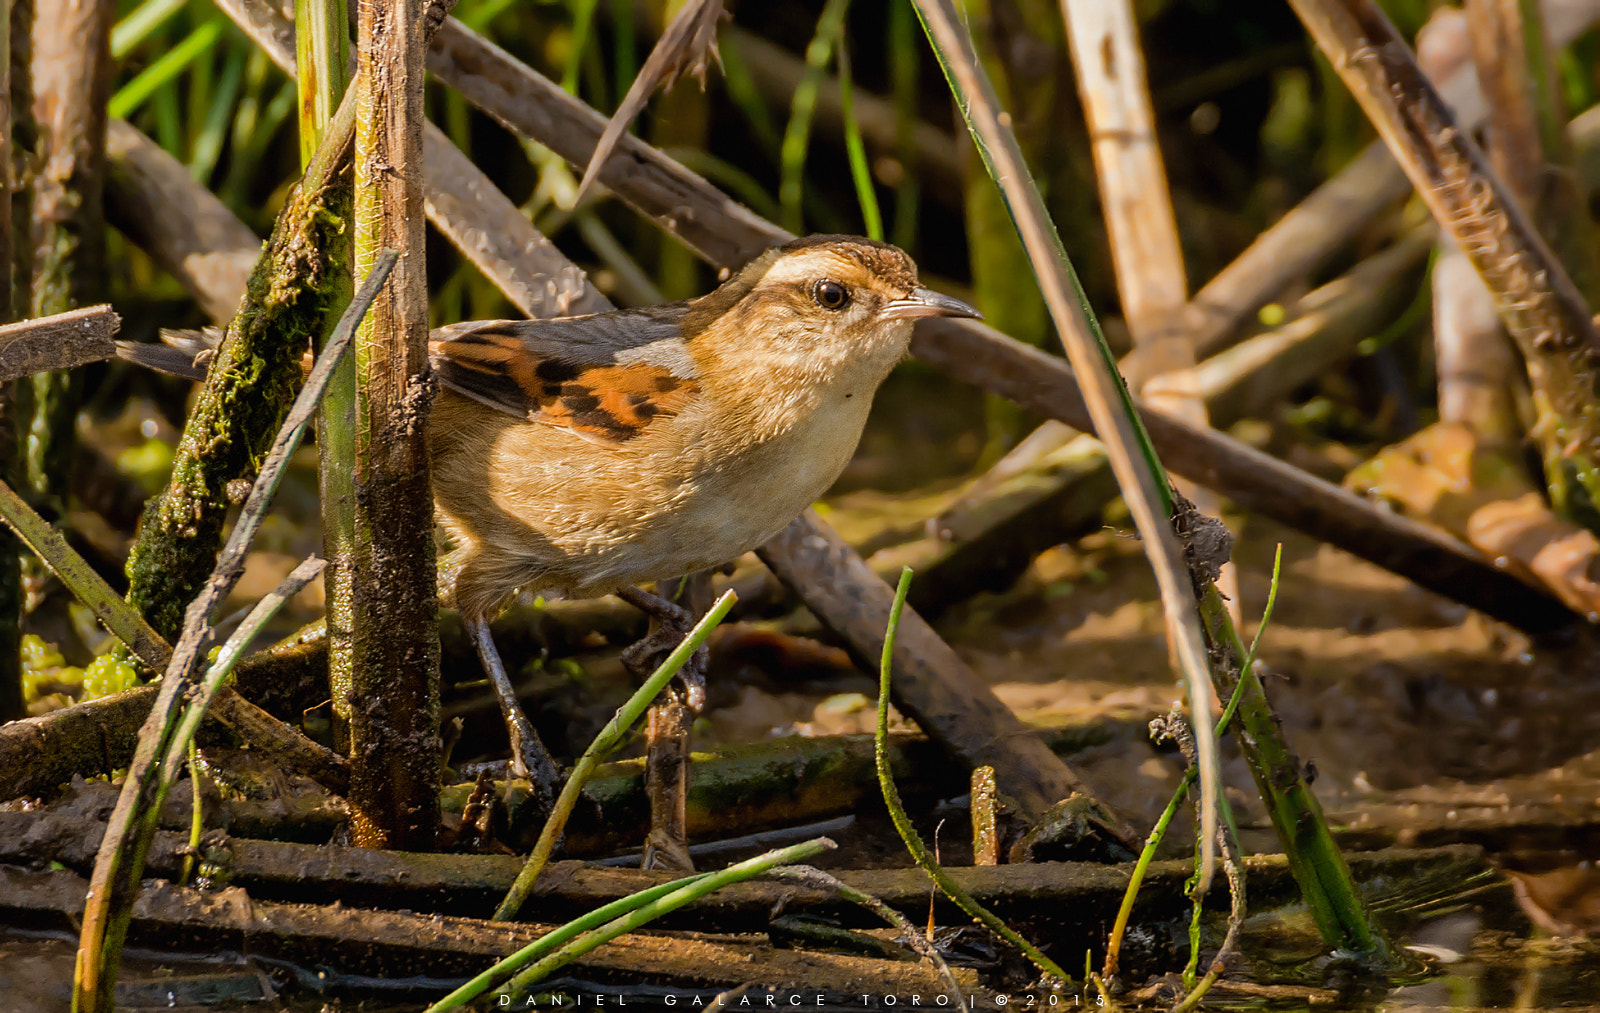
(609, 402)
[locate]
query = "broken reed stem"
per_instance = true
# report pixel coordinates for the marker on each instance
(1139, 473)
(1537, 299)
(609, 739)
(58, 341)
(47, 542)
(902, 823)
(386, 668)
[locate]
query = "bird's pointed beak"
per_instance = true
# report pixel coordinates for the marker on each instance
(925, 302)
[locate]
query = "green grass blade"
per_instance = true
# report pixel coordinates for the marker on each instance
(797, 135)
(902, 823)
(140, 24)
(860, 171)
(609, 738)
(163, 71)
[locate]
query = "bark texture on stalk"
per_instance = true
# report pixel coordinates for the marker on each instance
(322, 75)
(71, 84)
(11, 703)
(1527, 136)
(394, 644)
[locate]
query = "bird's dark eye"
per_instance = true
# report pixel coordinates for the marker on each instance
(831, 295)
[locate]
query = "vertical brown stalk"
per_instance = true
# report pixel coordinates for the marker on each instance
(1110, 69)
(322, 72)
(11, 705)
(71, 83)
(394, 706)
(24, 134)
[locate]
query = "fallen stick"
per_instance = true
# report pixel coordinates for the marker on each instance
(402, 945)
(732, 791)
(1071, 896)
(1257, 481)
(989, 536)
(57, 341)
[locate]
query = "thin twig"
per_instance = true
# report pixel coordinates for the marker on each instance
(689, 42)
(58, 341)
(807, 875)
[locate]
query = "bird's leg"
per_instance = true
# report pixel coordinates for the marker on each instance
(529, 759)
(670, 721)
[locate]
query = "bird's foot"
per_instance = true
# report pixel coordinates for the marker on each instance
(675, 624)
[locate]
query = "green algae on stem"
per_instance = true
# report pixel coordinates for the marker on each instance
(1315, 860)
(292, 291)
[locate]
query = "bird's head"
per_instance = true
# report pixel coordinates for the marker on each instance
(822, 303)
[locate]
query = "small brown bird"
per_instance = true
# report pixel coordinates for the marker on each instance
(583, 456)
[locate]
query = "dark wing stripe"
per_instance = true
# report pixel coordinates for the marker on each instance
(565, 372)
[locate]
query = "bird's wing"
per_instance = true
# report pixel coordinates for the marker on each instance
(603, 376)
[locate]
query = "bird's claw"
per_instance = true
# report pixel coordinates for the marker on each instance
(643, 657)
